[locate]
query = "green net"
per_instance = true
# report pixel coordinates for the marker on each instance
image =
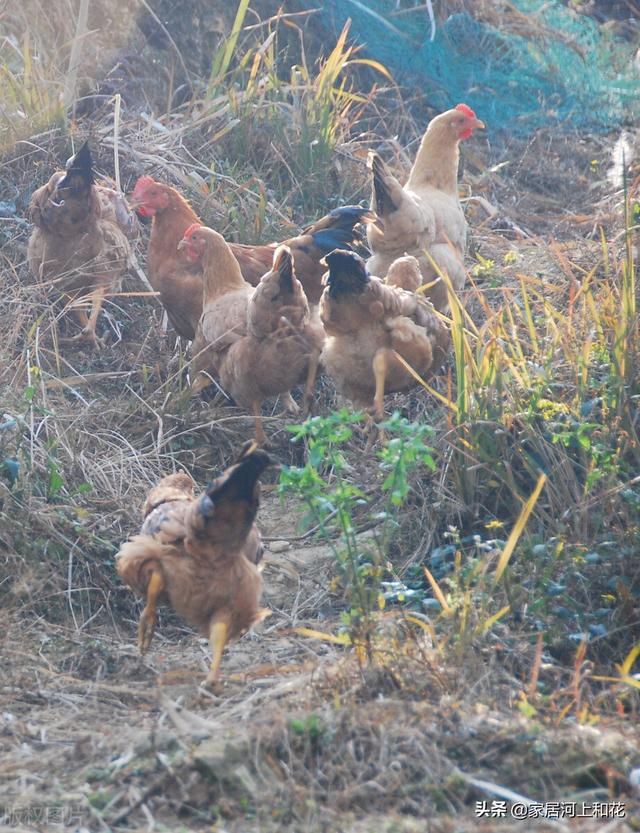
(560, 67)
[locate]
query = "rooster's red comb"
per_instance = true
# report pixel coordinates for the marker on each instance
(466, 110)
(144, 182)
(192, 228)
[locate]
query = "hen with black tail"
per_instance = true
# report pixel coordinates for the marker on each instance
(78, 248)
(200, 554)
(372, 330)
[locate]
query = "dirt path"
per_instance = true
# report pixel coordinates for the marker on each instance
(78, 704)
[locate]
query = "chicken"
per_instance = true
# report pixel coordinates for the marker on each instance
(201, 555)
(80, 245)
(179, 282)
(404, 273)
(257, 342)
(424, 218)
(368, 324)
(405, 222)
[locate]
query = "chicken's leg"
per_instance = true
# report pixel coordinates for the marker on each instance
(256, 410)
(312, 370)
(217, 640)
(380, 367)
(88, 322)
(147, 624)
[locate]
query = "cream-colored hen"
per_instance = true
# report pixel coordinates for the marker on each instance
(426, 213)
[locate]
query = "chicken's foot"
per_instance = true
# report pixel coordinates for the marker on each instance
(217, 640)
(148, 618)
(289, 404)
(89, 322)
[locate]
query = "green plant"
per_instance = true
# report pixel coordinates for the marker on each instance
(338, 505)
(301, 119)
(547, 383)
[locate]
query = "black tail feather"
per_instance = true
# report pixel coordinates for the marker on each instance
(79, 175)
(283, 264)
(383, 204)
(347, 273)
(239, 481)
(336, 230)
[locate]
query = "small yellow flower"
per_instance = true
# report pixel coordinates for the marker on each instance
(549, 409)
(495, 524)
(510, 257)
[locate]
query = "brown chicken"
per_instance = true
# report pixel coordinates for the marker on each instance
(257, 342)
(369, 324)
(79, 245)
(425, 214)
(201, 555)
(179, 281)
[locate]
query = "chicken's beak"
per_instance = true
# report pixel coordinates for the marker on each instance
(182, 244)
(477, 124)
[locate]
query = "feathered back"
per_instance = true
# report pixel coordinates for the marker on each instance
(278, 295)
(171, 488)
(404, 273)
(221, 270)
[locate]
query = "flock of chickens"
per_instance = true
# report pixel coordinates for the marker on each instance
(262, 320)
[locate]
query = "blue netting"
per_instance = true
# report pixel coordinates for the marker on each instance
(584, 78)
